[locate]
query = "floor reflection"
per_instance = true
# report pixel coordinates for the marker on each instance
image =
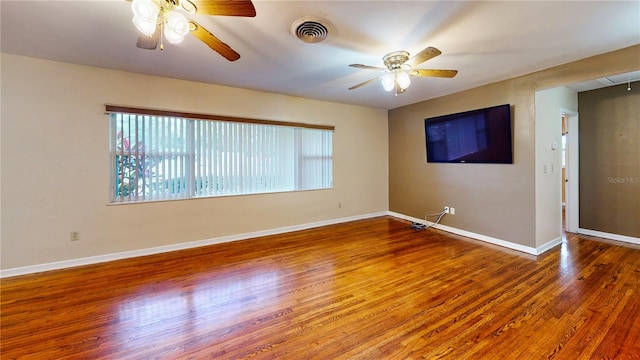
(566, 260)
(189, 310)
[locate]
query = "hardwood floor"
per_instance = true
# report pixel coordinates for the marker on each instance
(370, 289)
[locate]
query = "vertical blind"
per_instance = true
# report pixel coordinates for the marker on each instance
(163, 158)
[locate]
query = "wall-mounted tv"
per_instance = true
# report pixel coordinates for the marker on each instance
(476, 136)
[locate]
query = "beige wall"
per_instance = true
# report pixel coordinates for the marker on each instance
(486, 196)
(610, 160)
(55, 164)
(492, 200)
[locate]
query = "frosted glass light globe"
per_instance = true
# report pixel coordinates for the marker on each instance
(403, 80)
(145, 16)
(176, 28)
(388, 82)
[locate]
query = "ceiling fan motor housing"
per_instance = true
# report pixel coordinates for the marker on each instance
(394, 60)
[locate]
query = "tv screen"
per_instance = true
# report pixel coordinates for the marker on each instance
(476, 136)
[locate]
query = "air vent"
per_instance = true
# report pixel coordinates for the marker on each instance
(311, 29)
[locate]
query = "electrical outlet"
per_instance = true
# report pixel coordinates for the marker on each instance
(75, 235)
(446, 209)
(452, 211)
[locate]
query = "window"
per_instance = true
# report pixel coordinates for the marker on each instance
(159, 155)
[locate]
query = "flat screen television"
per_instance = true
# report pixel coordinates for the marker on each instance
(476, 136)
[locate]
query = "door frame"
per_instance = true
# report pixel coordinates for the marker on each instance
(572, 172)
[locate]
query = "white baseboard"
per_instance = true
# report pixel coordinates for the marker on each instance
(624, 238)
(488, 239)
(548, 246)
(174, 247)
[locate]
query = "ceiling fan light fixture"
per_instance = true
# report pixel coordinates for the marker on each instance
(146, 9)
(399, 70)
(159, 20)
(176, 27)
(403, 80)
(145, 15)
(188, 6)
(388, 82)
(144, 26)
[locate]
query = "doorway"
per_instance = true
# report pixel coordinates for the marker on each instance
(570, 171)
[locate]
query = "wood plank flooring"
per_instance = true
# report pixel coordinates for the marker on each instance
(370, 289)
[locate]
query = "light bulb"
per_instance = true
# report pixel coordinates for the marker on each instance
(403, 80)
(388, 82)
(176, 28)
(145, 15)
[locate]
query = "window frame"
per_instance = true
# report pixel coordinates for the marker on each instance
(191, 174)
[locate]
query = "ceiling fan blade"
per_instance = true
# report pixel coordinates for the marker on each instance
(364, 83)
(225, 7)
(149, 42)
(213, 42)
(360, 66)
(424, 55)
(434, 73)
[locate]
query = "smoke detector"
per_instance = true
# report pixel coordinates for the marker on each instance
(311, 29)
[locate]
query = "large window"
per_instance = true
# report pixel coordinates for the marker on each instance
(156, 156)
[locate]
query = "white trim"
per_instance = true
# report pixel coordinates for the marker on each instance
(572, 173)
(174, 247)
(549, 245)
(617, 237)
(488, 239)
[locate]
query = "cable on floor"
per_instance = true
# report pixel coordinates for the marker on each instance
(419, 226)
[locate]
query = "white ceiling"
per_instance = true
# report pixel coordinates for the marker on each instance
(486, 41)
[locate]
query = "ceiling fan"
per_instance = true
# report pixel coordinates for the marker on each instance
(400, 68)
(160, 19)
